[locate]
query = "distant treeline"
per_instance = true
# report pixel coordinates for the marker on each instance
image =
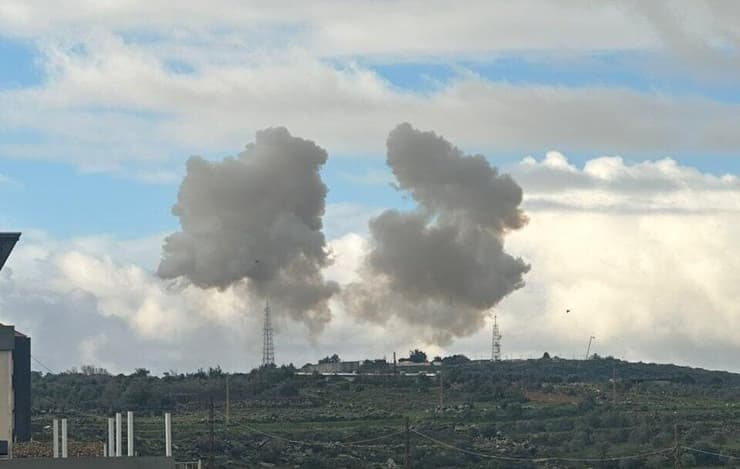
(94, 389)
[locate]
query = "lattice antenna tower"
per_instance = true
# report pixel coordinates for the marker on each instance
(268, 349)
(495, 340)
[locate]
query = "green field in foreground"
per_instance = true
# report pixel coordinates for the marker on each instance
(505, 414)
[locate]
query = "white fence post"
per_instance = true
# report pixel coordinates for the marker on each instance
(64, 438)
(130, 432)
(55, 435)
(119, 437)
(111, 438)
(167, 435)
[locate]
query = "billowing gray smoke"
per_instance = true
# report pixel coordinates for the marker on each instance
(443, 265)
(256, 219)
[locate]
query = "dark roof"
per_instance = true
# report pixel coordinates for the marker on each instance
(17, 333)
(7, 242)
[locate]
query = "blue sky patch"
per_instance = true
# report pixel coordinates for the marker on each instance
(19, 64)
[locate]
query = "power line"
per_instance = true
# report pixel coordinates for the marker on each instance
(322, 443)
(211, 454)
(539, 460)
(467, 451)
(44, 366)
(711, 453)
(463, 450)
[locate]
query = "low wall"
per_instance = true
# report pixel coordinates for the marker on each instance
(89, 463)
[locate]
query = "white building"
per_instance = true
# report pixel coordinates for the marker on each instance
(7, 345)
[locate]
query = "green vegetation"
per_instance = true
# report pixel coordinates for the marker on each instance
(518, 409)
(417, 356)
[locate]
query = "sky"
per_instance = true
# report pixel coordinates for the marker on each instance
(618, 120)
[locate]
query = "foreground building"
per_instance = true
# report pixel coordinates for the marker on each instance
(15, 388)
(7, 243)
(15, 373)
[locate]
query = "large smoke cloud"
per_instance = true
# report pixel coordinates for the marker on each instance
(256, 219)
(443, 265)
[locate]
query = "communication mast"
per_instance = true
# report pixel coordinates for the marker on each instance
(588, 350)
(495, 341)
(268, 350)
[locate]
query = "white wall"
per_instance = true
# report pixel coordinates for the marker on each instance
(6, 397)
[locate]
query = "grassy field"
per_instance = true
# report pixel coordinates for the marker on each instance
(523, 412)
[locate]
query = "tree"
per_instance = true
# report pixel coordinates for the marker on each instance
(417, 356)
(455, 360)
(141, 372)
(333, 359)
(545, 356)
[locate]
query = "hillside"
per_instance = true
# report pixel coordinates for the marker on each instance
(521, 410)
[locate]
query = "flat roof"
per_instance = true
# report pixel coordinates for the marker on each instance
(7, 243)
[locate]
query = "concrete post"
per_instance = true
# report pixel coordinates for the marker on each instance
(111, 438)
(167, 435)
(105, 449)
(64, 438)
(130, 433)
(119, 436)
(55, 435)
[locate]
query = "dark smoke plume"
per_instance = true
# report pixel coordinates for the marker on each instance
(256, 219)
(443, 265)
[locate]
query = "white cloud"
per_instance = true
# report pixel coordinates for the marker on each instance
(115, 105)
(642, 254)
(649, 287)
(335, 27)
(80, 304)
(112, 100)
(702, 37)
(611, 184)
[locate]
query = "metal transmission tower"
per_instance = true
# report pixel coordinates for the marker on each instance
(495, 341)
(268, 350)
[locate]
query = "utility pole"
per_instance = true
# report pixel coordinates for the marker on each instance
(211, 462)
(677, 448)
(614, 384)
(588, 350)
(407, 452)
(441, 391)
(228, 402)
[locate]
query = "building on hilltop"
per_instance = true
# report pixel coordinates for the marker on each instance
(405, 362)
(332, 367)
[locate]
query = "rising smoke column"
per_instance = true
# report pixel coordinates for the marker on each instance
(256, 219)
(441, 266)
